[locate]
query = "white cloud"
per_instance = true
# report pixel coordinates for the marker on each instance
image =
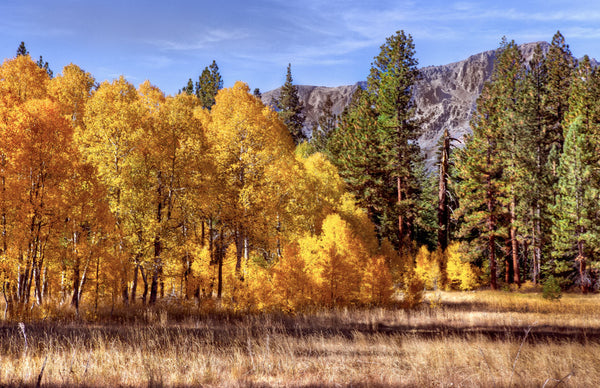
(201, 41)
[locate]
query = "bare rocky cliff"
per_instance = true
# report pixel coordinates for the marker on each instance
(445, 97)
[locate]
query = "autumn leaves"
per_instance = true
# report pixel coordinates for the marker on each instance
(116, 192)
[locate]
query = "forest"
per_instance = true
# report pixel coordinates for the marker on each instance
(208, 239)
(112, 195)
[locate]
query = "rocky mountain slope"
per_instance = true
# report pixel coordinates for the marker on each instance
(445, 97)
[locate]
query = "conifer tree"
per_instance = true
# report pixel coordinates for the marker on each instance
(480, 187)
(443, 208)
(393, 74)
(290, 108)
(375, 147)
(44, 65)
(576, 212)
(189, 87)
(509, 74)
(21, 50)
(355, 149)
(209, 83)
(560, 65)
(534, 154)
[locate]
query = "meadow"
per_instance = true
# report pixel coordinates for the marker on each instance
(497, 339)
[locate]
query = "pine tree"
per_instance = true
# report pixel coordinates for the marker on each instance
(44, 65)
(374, 145)
(189, 87)
(560, 65)
(21, 50)
(576, 221)
(444, 200)
(508, 77)
(209, 83)
(534, 154)
(393, 74)
(290, 108)
(355, 149)
(480, 187)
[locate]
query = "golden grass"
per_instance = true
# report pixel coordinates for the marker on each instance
(471, 339)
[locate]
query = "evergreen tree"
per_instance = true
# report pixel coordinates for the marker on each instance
(536, 194)
(375, 148)
(560, 64)
(480, 189)
(444, 200)
(209, 83)
(44, 65)
(21, 50)
(256, 93)
(290, 108)
(355, 149)
(393, 74)
(189, 87)
(508, 83)
(576, 224)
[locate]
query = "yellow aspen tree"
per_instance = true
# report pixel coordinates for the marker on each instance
(462, 275)
(23, 79)
(109, 140)
(376, 286)
(249, 145)
(336, 264)
(427, 267)
(171, 167)
(293, 287)
(39, 157)
(72, 89)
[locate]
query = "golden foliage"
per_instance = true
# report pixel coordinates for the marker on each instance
(462, 275)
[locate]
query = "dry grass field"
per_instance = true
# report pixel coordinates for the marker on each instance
(472, 339)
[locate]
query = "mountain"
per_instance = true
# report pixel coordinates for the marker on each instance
(445, 97)
(313, 97)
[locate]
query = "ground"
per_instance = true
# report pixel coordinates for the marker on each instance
(453, 339)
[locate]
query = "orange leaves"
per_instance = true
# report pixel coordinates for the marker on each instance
(22, 79)
(71, 90)
(198, 200)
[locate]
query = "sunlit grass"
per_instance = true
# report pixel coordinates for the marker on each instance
(469, 339)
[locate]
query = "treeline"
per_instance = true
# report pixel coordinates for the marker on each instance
(520, 196)
(111, 194)
(527, 179)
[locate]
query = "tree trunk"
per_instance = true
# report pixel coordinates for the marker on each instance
(443, 212)
(135, 282)
(145, 280)
(75, 297)
(582, 264)
(491, 224)
(220, 257)
(514, 242)
(156, 270)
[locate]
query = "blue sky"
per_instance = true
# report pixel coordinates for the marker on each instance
(328, 43)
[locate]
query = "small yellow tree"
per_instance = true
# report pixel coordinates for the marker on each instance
(462, 275)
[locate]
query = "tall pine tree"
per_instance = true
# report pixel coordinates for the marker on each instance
(393, 74)
(290, 108)
(209, 83)
(576, 224)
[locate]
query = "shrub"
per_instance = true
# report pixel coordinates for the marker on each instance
(551, 289)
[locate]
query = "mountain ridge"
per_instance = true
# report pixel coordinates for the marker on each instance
(445, 97)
